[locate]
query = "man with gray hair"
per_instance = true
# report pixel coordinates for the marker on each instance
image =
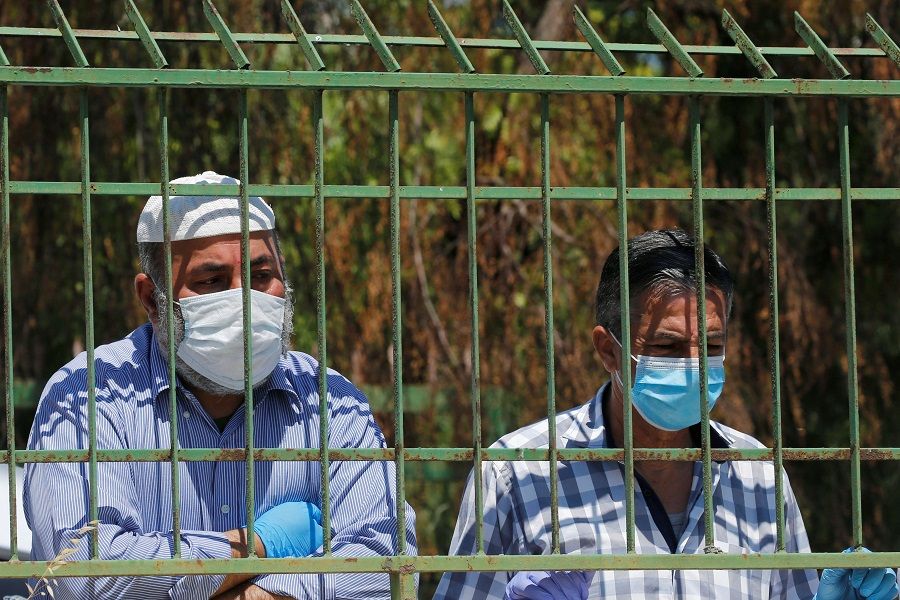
(668, 494)
(132, 412)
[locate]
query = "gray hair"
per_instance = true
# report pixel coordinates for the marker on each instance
(659, 261)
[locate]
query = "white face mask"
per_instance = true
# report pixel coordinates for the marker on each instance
(213, 343)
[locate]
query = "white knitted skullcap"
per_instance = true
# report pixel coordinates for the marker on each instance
(193, 217)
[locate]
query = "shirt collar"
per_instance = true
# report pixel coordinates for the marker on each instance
(159, 370)
(590, 428)
(159, 374)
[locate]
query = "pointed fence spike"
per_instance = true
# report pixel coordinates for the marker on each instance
(883, 39)
(306, 45)
(140, 27)
(524, 39)
(665, 37)
(812, 39)
(371, 33)
(596, 42)
(449, 39)
(225, 36)
(67, 34)
(749, 49)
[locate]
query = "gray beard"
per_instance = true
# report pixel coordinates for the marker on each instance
(188, 374)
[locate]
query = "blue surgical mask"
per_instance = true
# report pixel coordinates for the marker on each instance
(666, 391)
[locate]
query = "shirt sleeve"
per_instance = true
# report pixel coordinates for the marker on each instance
(57, 501)
(795, 584)
(363, 509)
(499, 536)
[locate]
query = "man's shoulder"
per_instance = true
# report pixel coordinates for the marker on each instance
(737, 439)
(303, 372)
(756, 471)
(537, 435)
(125, 356)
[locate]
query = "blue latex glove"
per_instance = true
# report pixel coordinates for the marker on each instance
(549, 585)
(855, 584)
(291, 529)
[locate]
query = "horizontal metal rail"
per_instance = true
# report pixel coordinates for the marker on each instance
(420, 41)
(440, 564)
(446, 454)
(473, 82)
(450, 192)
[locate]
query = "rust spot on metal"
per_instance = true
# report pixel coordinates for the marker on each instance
(233, 454)
(34, 70)
(801, 85)
(877, 454)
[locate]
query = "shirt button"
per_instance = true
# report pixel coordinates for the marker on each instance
(186, 414)
(225, 509)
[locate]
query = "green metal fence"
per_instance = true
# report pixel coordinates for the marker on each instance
(768, 87)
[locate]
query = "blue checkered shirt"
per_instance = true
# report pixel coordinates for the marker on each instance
(592, 519)
(135, 498)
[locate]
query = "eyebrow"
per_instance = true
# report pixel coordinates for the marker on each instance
(263, 261)
(671, 335)
(217, 267)
(209, 267)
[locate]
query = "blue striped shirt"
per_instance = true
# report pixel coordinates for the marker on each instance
(135, 498)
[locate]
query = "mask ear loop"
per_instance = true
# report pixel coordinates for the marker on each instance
(616, 374)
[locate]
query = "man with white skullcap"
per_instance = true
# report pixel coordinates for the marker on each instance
(132, 412)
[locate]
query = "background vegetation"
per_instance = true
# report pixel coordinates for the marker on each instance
(46, 230)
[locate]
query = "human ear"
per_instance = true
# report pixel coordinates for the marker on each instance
(607, 348)
(144, 288)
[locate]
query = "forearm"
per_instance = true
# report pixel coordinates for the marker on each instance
(332, 586)
(237, 539)
(249, 591)
(116, 543)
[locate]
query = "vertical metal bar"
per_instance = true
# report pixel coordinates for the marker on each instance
(850, 299)
(89, 312)
(248, 339)
(774, 343)
(700, 269)
(7, 324)
(625, 331)
(403, 583)
(321, 323)
(548, 320)
(163, 101)
(472, 235)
